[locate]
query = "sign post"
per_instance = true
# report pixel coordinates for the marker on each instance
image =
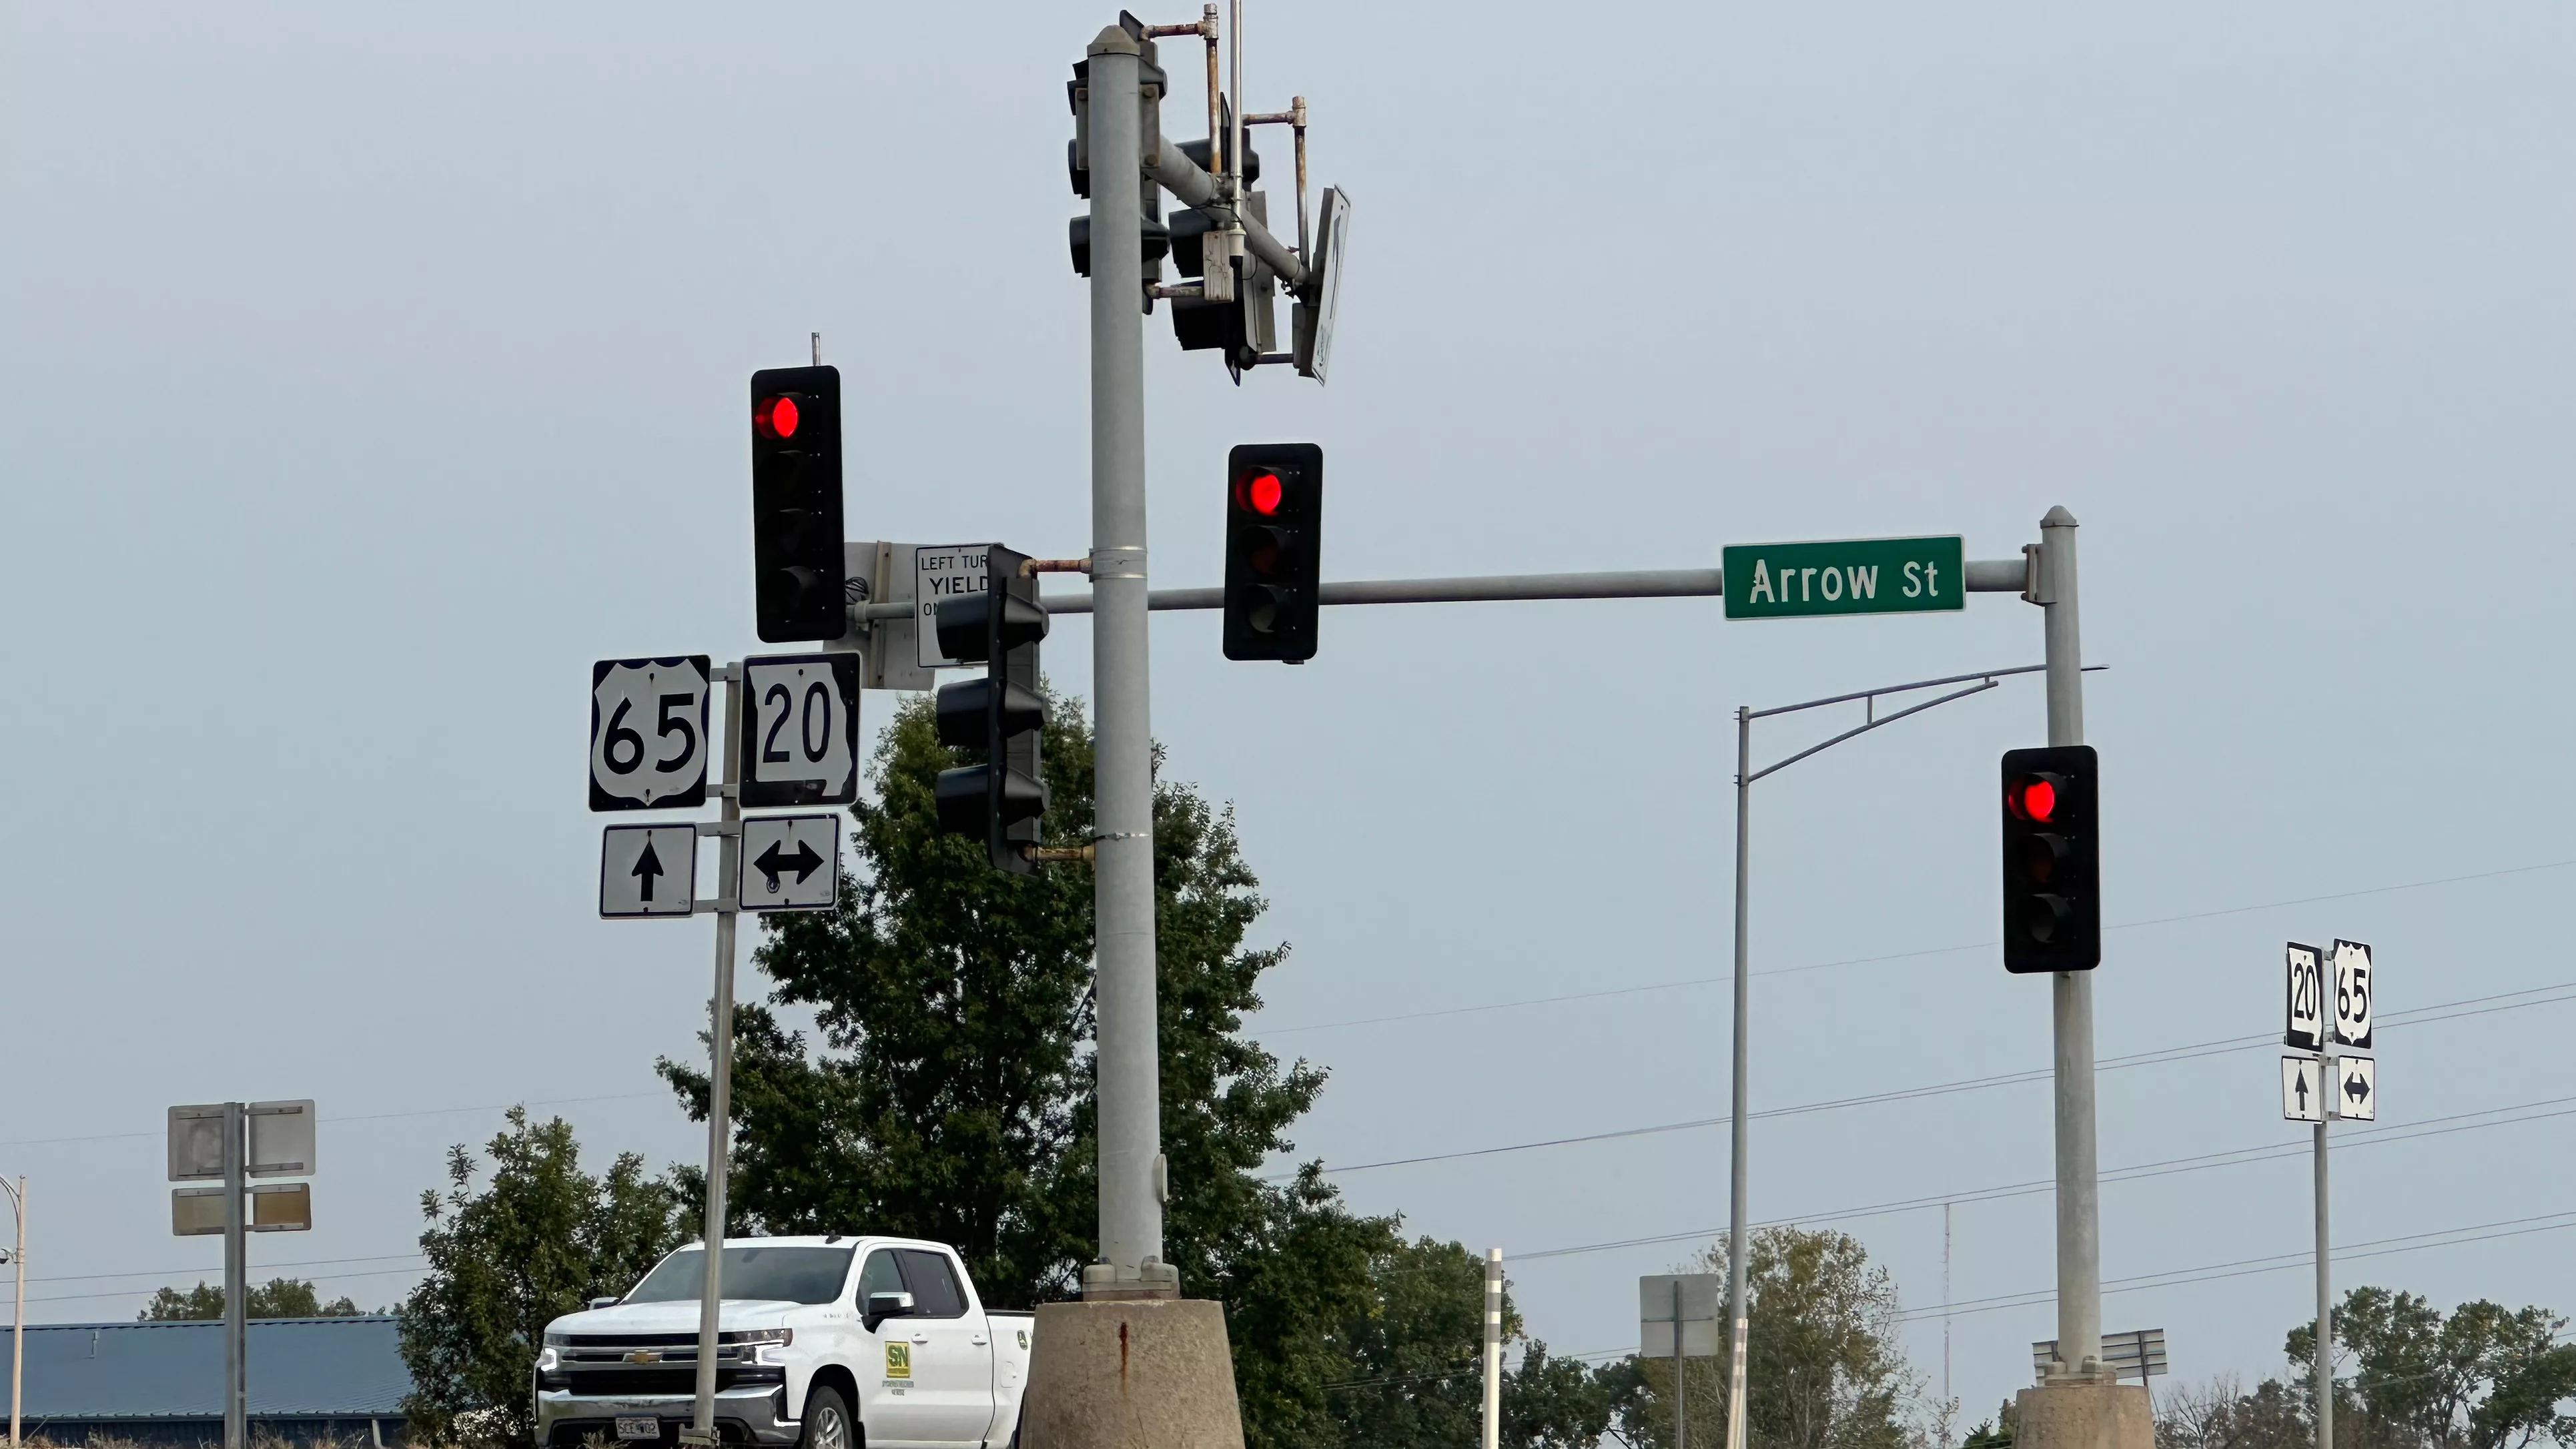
(232, 1142)
(649, 748)
(1677, 1319)
(2323, 1078)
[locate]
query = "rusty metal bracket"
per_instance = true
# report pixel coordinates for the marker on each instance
(1068, 854)
(1032, 567)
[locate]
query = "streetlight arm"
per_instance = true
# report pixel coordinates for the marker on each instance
(1885, 719)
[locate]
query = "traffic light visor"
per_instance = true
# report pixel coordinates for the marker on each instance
(2033, 797)
(1259, 492)
(775, 416)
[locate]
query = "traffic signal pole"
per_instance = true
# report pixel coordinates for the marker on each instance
(2079, 1192)
(1127, 1061)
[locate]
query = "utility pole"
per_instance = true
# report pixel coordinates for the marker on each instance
(1127, 1061)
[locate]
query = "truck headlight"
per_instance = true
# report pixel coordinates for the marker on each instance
(548, 1360)
(768, 1345)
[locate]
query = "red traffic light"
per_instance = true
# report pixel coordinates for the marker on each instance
(775, 416)
(2033, 797)
(1259, 492)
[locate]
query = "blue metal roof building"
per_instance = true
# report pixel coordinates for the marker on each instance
(335, 1379)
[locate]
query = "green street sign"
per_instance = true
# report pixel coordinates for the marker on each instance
(1845, 576)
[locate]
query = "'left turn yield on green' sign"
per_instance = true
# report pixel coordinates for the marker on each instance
(1845, 576)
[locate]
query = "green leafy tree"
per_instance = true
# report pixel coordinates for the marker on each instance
(1824, 1370)
(276, 1298)
(2221, 1415)
(538, 1240)
(950, 1094)
(1415, 1356)
(2486, 1377)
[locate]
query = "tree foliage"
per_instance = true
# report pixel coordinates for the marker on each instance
(1823, 1371)
(2485, 1377)
(1414, 1354)
(276, 1298)
(537, 1241)
(950, 1096)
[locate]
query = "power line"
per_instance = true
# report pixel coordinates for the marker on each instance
(2201, 1162)
(364, 1117)
(129, 1292)
(2277, 1262)
(2443, 1011)
(1697, 981)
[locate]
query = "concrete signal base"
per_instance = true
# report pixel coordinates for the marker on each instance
(2077, 1414)
(1141, 1373)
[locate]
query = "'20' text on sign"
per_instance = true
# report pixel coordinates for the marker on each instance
(1846, 576)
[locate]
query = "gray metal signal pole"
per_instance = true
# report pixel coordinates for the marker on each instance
(2079, 1191)
(1127, 1062)
(702, 1412)
(1741, 1112)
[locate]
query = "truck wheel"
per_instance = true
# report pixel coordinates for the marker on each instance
(827, 1421)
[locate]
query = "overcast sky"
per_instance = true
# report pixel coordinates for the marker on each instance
(368, 371)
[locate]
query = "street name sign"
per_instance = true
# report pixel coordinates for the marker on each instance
(1848, 576)
(948, 571)
(790, 863)
(2353, 990)
(648, 870)
(801, 746)
(648, 731)
(2304, 988)
(2301, 1101)
(2357, 1088)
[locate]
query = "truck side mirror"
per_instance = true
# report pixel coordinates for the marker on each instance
(882, 1306)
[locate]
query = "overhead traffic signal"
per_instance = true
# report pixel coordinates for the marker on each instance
(1274, 527)
(796, 503)
(2052, 860)
(1001, 800)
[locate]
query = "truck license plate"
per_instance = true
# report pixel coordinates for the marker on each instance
(644, 1427)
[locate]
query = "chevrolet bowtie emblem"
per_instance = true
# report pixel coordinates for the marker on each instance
(643, 1355)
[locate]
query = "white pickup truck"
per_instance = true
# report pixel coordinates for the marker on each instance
(826, 1342)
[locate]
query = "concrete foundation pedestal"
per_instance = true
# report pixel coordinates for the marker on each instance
(1141, 1374)
(2083, 1416)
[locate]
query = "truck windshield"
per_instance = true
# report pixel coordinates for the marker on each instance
(783, 1274)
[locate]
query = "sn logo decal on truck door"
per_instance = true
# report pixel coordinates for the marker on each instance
(898, 1360)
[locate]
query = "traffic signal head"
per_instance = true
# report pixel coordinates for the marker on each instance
(1001, 800)
(1274, 524)
(796, 503)
(2052, 860)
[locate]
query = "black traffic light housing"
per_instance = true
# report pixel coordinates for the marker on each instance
(2052, 859)
(1274, 529)
(1003, 799)
(796, 504)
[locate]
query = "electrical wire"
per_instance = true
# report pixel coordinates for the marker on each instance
(1697, 981)
(2201, 1162)
(2442, 1011)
